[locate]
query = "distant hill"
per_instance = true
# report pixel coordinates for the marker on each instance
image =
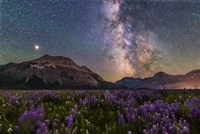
(50, 72)
(162, 80)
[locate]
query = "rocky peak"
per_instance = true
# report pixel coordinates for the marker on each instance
(56, 60)
(53, 71)
(160, 75)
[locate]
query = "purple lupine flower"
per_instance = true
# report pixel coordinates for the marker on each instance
(121, 120)
(12, 99)
(172, 130)
(33, 116)
(157, 116)
(185, 130)
(74, 111)
(164, 130)
(151, 108)
(193, 103)
(174, 118)
(42, 129)
(55, 122)
(154, 130)
(163, 114)
(167, 122)
(69, 121)
(131, 114)
(195, 113)
(144, 131)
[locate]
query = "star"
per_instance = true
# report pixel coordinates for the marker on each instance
(132, 37)
(36, 47)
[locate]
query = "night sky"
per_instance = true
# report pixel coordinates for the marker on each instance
(114, 38)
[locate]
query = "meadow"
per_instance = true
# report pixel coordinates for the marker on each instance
(100, 112)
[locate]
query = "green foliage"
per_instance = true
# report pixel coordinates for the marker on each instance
(100, 117)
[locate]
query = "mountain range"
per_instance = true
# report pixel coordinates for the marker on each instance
(50, 72)
(162, 80)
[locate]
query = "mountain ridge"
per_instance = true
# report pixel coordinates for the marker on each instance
(62, 72)
(51, 72)
(162, 80)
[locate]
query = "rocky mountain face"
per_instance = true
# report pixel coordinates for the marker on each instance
(49, 71)
(162, 80)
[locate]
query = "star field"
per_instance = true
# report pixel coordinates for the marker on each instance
(115, 38)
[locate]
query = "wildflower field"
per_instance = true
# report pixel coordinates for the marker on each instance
(100, 112)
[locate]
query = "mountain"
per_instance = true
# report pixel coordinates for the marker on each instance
(189, 80)
(49, 72)
(129, 82)
(162, 80)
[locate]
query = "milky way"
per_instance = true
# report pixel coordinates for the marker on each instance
(114, 38)
(132, 47)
